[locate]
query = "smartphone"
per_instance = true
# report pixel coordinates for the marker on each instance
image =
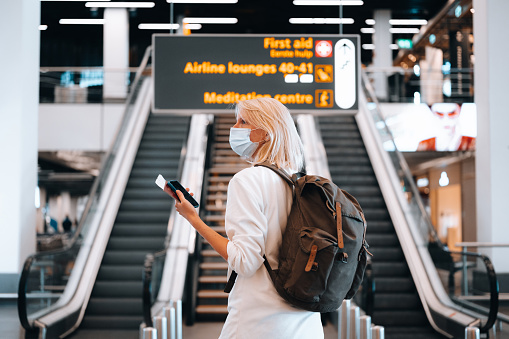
(174, 185)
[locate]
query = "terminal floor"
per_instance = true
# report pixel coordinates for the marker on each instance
(11, 329)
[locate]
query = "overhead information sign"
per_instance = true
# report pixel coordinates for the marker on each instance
(211, 72)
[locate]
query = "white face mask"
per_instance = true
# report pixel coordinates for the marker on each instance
(241, 143)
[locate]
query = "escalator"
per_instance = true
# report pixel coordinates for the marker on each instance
(209, 300)
(397, 306)
(140, 228)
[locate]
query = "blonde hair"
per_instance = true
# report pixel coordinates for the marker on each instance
(284, 147)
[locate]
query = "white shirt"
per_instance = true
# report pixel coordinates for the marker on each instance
(258, 205)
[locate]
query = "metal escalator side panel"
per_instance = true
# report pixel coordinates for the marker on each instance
(431, 292)
(97, 237)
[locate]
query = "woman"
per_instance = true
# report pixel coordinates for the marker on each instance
(258, 205)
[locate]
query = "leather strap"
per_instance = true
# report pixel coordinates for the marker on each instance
(339, 223)
(311, 260)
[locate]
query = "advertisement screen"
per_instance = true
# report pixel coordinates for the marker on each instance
(304, 72)
(436, 127)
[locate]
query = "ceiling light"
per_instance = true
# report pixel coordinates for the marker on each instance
(368, 30)
(120, 4)
(370, 21)
(210, 20)
(408, 22)
(328, 2)
(43, 27)
(72, 0)
(404, 30)
(159, 26)
(203, 1)
(192, 26)
(321, 21)
(368, 46)
(81, 21)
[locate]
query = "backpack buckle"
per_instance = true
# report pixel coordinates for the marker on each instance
(343, 256)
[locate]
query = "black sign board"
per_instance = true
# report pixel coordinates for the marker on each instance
(211, 72)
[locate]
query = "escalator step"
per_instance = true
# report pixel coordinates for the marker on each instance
(395, 301)
(390, 269)
(398, 317)
(354, 169)
(376, 213)
(361, 191)
(117, 289)
(380, 226)
(144, 193)
(136, 243)
(381, 240)
(128, 257)
(142, 216)
(109, 322)
(158, 230)
(146, 205)
(395, 285)
(120, 272)
(160, 160)
(386, 253)
(117, 306)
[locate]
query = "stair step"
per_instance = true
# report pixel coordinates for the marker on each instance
(213, 279)
(211, 309)
(209, 253)
(214, 265)
(212, 294)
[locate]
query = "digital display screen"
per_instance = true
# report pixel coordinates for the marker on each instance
(211, 72)
(436, 127)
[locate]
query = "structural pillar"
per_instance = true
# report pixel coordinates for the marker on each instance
(19, 100)
(492, 146)
(115, 52)
(382, 56)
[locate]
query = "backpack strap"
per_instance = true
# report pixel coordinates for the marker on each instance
(339, 225)
(286, 177)
(231, 282)
(233, 276)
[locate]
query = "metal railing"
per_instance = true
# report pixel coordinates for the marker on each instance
(49, 279)
(400, 84)
(426, 236)
(84, 84)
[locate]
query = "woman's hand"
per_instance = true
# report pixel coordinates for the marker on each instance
(184, 207)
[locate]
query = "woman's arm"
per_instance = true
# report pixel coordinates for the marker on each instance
(216, 240)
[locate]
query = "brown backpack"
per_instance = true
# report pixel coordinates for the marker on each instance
(324, 251)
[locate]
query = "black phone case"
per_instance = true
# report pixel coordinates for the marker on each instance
(175, 185)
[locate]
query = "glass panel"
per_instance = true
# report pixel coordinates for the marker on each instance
(461, 275)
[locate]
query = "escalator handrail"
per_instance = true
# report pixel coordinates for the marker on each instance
(494, 288)
(107, 162)
(407, 173)
(402, 162)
